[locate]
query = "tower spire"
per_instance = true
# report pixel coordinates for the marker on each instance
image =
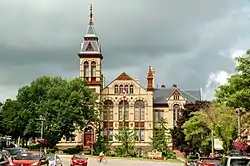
(91, 15)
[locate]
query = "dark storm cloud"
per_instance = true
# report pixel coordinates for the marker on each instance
(181, 39)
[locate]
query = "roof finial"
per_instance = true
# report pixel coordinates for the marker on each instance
(91, 16)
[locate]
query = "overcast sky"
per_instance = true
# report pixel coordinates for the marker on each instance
(189, 42)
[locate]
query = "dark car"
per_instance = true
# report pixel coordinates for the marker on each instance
(14, 151)
(3, 159)
(191, 161)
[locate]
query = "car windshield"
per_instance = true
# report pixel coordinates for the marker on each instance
(15, 151)
(239, 162)
(27, 156)
(79, 157)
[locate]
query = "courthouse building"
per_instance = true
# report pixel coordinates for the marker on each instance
(143, 106)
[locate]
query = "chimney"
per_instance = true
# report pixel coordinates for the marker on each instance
(150, 79)
(174, 86)
(163, 86)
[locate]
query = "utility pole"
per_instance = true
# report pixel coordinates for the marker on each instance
(238, 112)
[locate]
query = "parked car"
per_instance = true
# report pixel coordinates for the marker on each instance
(3, 159)
(236, 160)
(27, 158)
(14, 151)
(78, 159)
(204, 161)
(54, 158)
(191, 161)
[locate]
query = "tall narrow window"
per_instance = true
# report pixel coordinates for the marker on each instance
(124, 110)
(140, 135)
(108, 110)
(139, 110)
(158, 115)
(108, 115)
(126, 88)
(131, 89)
(120, 89)
(86, 69)
(93, 69)
(116, 89)
(176, 110)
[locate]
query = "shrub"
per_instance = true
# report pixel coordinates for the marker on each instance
(74, 150)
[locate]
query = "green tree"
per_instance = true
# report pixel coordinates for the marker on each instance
(236, 93)
(66, 106)
(13, 123)
(197, 134)
(126, 138)
(223, 121)
(177, 133)
(161, 138)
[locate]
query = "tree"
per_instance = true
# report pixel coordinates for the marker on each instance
(197, 134)
(236, 93)
(161, 138)
(66, 106)
(13, 123)
(178, 136)
(126, 137)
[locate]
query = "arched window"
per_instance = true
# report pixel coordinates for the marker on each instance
(93, 69)
(139, 110)
(131, 89)
(86, 69)
(120, 89)
(124, 110)
(126, 88)
(108, 110)
(176, 109)
(116, 89)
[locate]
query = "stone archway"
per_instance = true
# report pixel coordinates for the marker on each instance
(88, 136)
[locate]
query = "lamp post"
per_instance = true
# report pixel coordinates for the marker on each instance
(42, 119)
(238, 111)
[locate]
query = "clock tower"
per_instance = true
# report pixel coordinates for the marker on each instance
(91, 58)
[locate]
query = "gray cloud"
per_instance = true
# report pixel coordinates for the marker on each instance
(183, 40)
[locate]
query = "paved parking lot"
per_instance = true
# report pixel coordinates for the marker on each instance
(123, 162)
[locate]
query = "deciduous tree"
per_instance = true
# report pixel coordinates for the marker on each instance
(66, 105)
(236, 93)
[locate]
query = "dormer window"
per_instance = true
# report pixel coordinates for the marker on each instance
(131, 89)
(116, 89)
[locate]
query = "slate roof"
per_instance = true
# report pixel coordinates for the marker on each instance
(161, 95)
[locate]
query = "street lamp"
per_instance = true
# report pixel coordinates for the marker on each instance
(42, 119)
(238, 111)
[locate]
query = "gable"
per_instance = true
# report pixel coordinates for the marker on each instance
(123, 77)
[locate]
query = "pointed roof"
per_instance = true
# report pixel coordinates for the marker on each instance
(124, 76)
(91, 30)
(90, 43)
(161, 94)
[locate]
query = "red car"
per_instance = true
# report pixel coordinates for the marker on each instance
(79, 160)
(208, 162)
(26, 159)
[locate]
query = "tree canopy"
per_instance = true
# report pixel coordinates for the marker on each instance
(66, 105)
(236, 93)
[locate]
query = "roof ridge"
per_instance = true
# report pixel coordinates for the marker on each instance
(190, 95)
(189, 89)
